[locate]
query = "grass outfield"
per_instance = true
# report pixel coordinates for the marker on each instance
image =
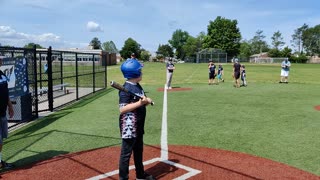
(266, 119)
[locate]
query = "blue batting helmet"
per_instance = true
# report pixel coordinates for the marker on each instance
(131, 68)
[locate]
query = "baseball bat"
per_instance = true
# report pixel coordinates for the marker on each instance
(121, 88)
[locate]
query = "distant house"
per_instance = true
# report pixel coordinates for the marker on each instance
(314, 59)
(254, 57)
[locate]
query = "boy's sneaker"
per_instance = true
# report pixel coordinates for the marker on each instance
(5, 165)
(146, 177)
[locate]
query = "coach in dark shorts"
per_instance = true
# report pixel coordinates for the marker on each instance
(236, 73)
(212, 72)
(5, 104)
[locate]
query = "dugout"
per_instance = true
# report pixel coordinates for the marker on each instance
(216, 55)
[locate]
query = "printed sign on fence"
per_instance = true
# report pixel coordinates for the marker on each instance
(16, 71)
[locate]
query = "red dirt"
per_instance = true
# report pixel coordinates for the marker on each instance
(213, 164)
(175, 89)
(317, 108)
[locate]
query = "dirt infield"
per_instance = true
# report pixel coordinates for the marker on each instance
(205, 163)
(317, 108)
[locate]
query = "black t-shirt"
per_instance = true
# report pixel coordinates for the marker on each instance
(237, 67)
(131, 123)
(4, 94)
(212, 68)
(220, 69)
(243, 73)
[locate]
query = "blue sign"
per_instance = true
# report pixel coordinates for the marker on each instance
(16, 71)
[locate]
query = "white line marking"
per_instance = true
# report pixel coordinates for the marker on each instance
(112, 173)
(164, 128)
(164, 150)
(189, 77)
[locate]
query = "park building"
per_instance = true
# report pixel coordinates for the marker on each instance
(84, 56)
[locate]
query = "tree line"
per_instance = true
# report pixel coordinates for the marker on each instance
(224, 34)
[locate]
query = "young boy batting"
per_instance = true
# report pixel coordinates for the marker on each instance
(132, 120)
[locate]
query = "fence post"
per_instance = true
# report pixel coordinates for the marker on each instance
(93, 74)
(61, 68)
(77, 78)
(35, 80)
(105, 76)
(50, 84)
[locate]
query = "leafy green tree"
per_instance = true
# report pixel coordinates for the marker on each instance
(277, 40)
(95, 43)
(311, 40)
(165, 50)
(274, 53)
(258, 44)
(297, 38)
(179, 38)
(200, 40)
(245, 50)
(223, 34)
(302, 58)
(145, 55)
(31, 45)
(286, 52)
(190, 47)
(130, 46)
(109, 46)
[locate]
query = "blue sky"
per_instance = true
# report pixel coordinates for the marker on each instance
(74, 23)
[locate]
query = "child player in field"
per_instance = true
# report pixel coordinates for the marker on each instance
(220, 73)
(132, 120)
(243, 75)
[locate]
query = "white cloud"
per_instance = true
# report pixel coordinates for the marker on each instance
(94, 27)
(9, 36)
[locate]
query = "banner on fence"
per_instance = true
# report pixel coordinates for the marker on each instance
(16, 71)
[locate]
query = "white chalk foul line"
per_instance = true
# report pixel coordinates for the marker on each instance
(164, 127)
(164, 150)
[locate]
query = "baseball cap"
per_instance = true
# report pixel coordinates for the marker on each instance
(133, 54)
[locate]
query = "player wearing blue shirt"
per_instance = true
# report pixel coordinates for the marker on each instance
(285, 68)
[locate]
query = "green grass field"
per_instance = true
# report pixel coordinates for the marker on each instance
(266, 119)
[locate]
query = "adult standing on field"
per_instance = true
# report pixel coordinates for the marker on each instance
(285, 68)
(5, 104)
(236, 73)
(170, 68)
(212, 72)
